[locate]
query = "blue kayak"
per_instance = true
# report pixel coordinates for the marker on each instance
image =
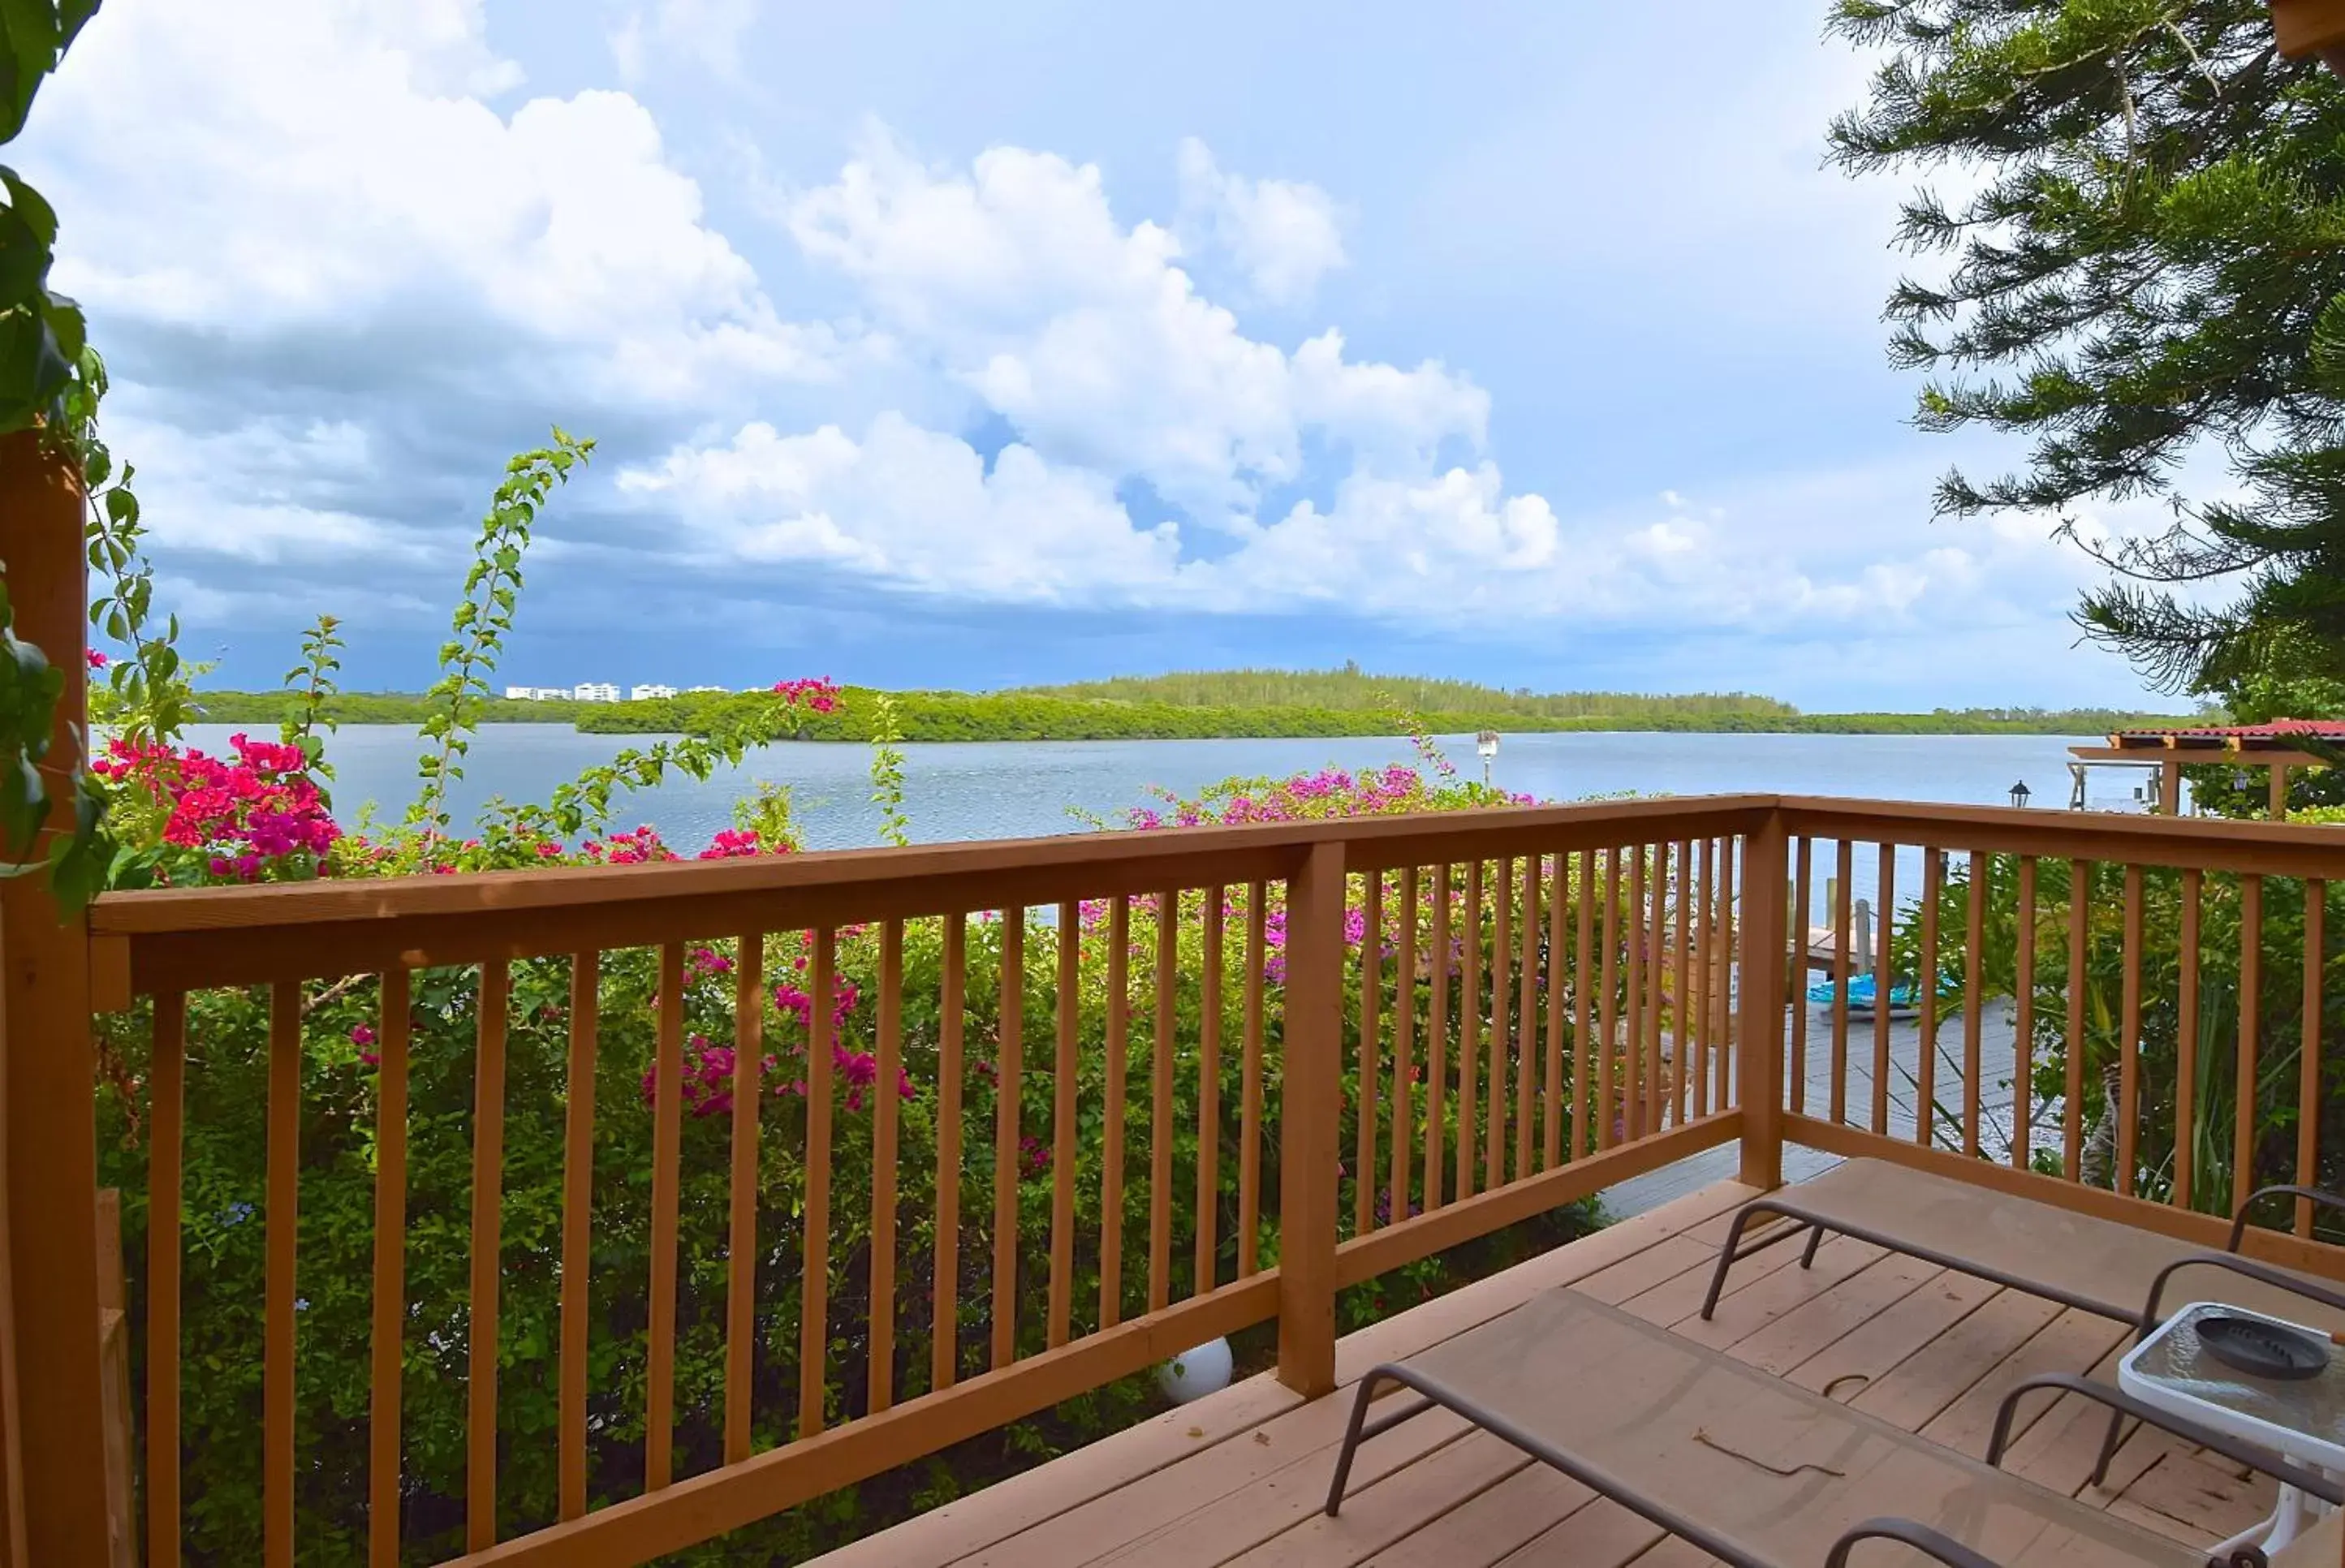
(1863, 994)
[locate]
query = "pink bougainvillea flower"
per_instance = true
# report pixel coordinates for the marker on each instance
(98, 661)
(737, 844)
(817, 693)
(638, 848)
(257, 815)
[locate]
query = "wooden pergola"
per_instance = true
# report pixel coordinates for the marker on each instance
(2275, 747)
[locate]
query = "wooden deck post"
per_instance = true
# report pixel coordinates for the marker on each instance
(1759, 1088)
(1310, 1105)
(50, 1070)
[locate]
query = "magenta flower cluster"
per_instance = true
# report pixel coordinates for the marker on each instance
(817, 693)
(248, 816)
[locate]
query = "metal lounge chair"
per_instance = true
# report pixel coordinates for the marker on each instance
(1754, 1472)
(2099, 1265)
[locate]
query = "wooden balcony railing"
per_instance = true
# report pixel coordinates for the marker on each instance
(1306, 1054)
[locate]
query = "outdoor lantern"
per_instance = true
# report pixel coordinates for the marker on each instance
(1486, 746)
(2304, 28)
(2019, 792)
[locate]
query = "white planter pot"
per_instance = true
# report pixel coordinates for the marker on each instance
(1194, 1375)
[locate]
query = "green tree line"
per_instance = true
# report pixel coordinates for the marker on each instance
(1043, 717)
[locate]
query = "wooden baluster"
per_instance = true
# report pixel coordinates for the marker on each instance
(488, 1232)
(950, 1030)
(1526, 1017)
(741, 1238)
(2023, 1025)
(1650, 937)
(280, 1238)
(1368, 1061)
(1608, 1107)
(1310, 1099)
(1973, 961)
(1469, 1030)
(1680, 1030)
(1063, 1082)
(667, 1133)
(1704, 957)
(2129, 1035)
(1502, 946)
(814, 1277)
(1925, 1076)
(1250, 1085)
(944, 1306)
(1727, 1033)
(1160, 1133)
(1802, 908)
(2308, 1094)
(886, 1118)
(1759, 998)
(1404, 1094)
(1007, 1088)
(2072, 1131)
(1209, 1094)
(1633, 1088)
(1884, 986)
(169, 1110)
(1844, 920)
(577, 1225)
(1582, 955)
(390, 1271)
(1119, 1097)
(1558, 898)
(2251, 991)
(1437, 1042)
(2185, 1050)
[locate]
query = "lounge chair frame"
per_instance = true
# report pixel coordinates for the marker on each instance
(1816, 1223)
(1434, 1393)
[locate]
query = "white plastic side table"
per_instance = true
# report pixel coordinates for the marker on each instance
(2303, 1419)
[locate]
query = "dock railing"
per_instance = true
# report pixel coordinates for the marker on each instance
(1156, 1087)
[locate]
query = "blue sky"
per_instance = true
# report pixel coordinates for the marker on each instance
(939, 344)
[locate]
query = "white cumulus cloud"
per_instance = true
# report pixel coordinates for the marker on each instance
(1283, 234)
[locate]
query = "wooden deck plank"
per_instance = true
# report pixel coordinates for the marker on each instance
(952, 1532)
(1812, 1327)
(1677, 1298)
(2060, 1445)
(1386, 1511)
(1742, 1313)
(2071, 1342)
(1866, 1355)
(1213, 1529)
(2201, 1494)
(1485, 1529)
(1573, 1264)
(1601, 1535)
(1935, 1377)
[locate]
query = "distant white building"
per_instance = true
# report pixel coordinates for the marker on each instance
(649, 693)
(538, 694)
(689, 691)
(594, 691)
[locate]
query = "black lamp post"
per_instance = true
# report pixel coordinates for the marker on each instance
(2019, 792)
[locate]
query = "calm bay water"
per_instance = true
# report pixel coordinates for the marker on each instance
(1021, 789)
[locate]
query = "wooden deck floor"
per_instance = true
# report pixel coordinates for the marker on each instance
(1239, 1477)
